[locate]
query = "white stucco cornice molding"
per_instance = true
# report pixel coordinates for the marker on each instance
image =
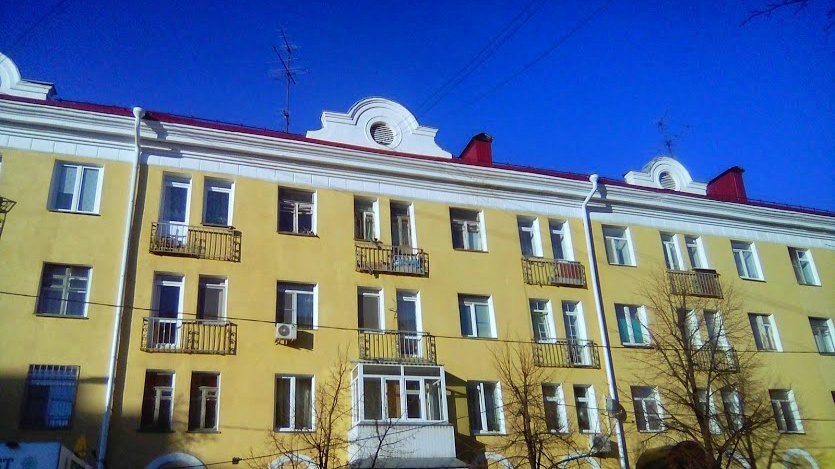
(664, 172)
(12, 84)
(398, 128)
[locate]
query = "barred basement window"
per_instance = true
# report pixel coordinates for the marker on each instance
(50, 397)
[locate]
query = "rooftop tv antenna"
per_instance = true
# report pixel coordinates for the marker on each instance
(285, 56)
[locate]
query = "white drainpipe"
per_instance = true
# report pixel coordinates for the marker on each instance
(101, 453)
(601, 320)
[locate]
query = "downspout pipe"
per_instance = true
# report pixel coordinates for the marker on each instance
(101, 453)
(601, 320)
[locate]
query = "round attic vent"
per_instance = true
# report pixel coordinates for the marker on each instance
(382, 134)
(667, 181)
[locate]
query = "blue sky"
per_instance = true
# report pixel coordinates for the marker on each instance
(760, 96)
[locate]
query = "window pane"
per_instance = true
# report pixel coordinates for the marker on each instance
(372, 399)
(491, 407)
(433, 400)
(282, 402)
(217, 208)
(466, 324)
(89, 187)
(482, 318)
(304, 314)
(303, 404)
(66, 187)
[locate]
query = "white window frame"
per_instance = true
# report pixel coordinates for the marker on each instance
(672, 253)
(410, 210)
(553, 395)
(784, 406)
(205, 395)
(289, 192)
(218, 185)
(612, 233)
(295, 289)
(765, 326)
(560, 233)
(76, 191)
(161, 393)
(383, 373)
(213, 283)
(738, 249)
(179, 181)
(476, 396)
(642, 408)
(529, 227)
(721, 340)
(458, 221)
(66, 280)
(547, 313)
(638, 312)
(734, 408)
(823, 333)
(363, 215)
(798, 257)
(589, 402)
(373, 292)
(470, 301)
(293, 379)
(696, 243)
(704, 397)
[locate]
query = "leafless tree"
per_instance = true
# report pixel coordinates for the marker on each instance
(770, 7)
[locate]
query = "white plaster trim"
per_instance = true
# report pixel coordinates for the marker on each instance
(650, 176)
(293, 458)
(497, 458)
(12, 84)
(179, 458)
(799, 453)
(588, 459)
(736, 457)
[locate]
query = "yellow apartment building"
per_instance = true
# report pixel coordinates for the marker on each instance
(178, 293)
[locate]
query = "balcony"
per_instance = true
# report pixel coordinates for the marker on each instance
(421, 440)
(202, 242)
(377, 258)
(719, 359)
(199, 336)
(698, 282)
(566, 353)
(397, 347)
(553, 272)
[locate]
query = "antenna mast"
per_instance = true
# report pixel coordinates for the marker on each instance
(288, 73)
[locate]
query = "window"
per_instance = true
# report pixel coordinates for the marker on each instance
(365, 219)
(294, 403)
(49, 397)
(542, 320)
(401, 225)
(556, 418)
(466, 230)
(296, 304)
(158, 400)
(485, 402)
(804, 266)
(672, 256)
(695, 252)
(295, 211)
(217, 202)
(822, 330)
(765, 332)
(165, 326)
(211, 299)
(394, 392)
(785, 409)
(408, 323)
(618, 245)
(632, 324)
(205, 401)
(579, 349)
(734, 409)
(529, 236)
(561, 240)
(476, 316)
(715, 325)
(370, 308)
(586, 407)
(647, 409)
(64, 290)
(75, 188)
(176, 192)
(745, 256)
(706, 408)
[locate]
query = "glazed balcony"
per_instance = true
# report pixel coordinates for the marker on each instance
(719, 359)
(553, 272)
(201, 242)
(566, 353)
(397, 347)
(197, 336)
(698, 282)
(377, 258)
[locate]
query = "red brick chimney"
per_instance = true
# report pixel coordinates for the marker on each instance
(479, 150)
(728, 185)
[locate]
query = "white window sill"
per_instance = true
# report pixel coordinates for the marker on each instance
(293, 430)
(479, 433)
(301, 235)
(62, 316)
(786, 432)
(753, 279)
(468, 250)
(76, 212)
(636, 345)
(623, 265)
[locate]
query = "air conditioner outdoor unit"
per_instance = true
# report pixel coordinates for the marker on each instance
(600, 443)
(285, 331)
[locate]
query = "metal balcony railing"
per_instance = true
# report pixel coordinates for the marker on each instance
(379, 258)
(716, 359)
(704, 283)
(397, 347)
(566, 353)
(202, 242)
(189, 336)
(553, 272)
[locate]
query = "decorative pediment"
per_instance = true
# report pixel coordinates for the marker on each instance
(664, 172)
(12, 84)
(379, 123)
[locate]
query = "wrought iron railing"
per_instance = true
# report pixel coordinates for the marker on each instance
(704, 283)
(189, 336)
(379, 258)
(203, 242)
(716, 359)
(396, 346)
(566, 353)
(553, 272)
